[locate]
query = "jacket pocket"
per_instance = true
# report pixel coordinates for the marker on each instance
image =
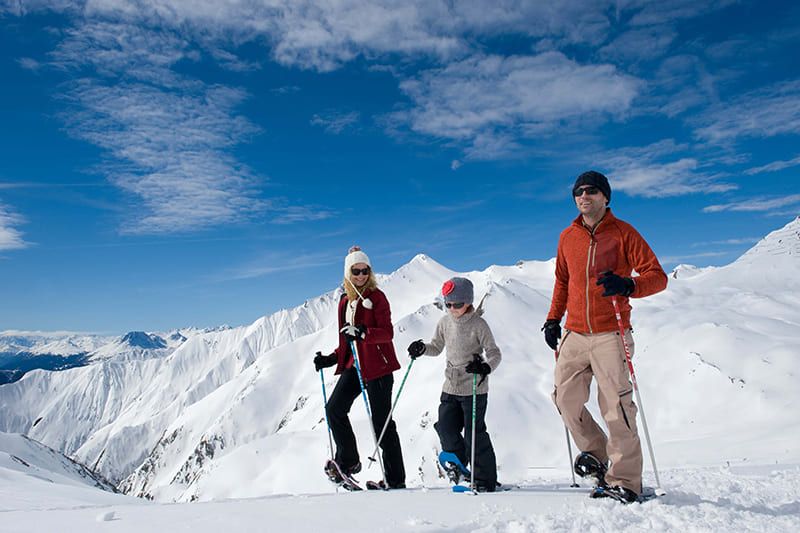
(380, 352)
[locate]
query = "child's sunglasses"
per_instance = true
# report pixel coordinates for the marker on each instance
(359, 271)
(454, 306)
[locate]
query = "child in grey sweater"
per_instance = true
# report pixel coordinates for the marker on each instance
(466, 335)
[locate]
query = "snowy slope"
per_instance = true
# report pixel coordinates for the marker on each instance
(238, 413)
(762, 500)
(34, 476)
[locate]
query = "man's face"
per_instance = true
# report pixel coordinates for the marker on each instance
(589, 200)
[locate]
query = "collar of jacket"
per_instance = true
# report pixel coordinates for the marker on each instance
(605, 222)
(466, 317)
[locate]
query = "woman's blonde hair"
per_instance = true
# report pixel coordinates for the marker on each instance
(349, 288)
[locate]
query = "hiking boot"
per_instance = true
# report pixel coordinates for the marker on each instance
(352, 470)
(588, 465)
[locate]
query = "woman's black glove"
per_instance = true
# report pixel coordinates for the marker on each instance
(354, 333)
(324, 361)
(416, 348)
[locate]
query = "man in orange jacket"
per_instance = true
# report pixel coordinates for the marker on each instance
(596, 256)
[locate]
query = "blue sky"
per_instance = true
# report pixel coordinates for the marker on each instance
(167, 163)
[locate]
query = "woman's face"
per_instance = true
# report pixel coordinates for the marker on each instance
(359, 274)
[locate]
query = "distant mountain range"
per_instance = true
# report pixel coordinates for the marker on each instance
(238, 412)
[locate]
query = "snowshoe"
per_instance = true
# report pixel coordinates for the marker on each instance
(621, 494)
(380, 485)
(454, 468)
(339, 477)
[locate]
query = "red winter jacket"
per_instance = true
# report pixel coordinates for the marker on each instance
(376, 352)
(582, 255)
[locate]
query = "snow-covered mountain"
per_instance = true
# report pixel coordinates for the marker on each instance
(238, 412)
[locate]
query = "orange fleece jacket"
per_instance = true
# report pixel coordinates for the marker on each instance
(583, 255)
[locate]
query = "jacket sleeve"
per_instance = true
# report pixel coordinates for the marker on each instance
(558, 305)
(437, 343)
(490, 349)
(651, 278)
(383, 331)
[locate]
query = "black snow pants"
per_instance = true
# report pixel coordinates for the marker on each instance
(455, 415)
(379, 392)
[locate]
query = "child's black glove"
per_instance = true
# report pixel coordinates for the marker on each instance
(552, 332)
(478, 366)
(416, 348)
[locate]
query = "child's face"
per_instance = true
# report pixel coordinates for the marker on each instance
(455, 312)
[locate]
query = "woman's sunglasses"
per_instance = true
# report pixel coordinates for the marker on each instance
(454, 306)
(359, 271)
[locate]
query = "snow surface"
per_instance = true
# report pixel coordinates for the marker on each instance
(232, 418)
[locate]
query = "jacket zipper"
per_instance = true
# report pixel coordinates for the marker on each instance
(590, 257)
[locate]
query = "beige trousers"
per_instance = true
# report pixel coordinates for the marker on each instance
(601, 356)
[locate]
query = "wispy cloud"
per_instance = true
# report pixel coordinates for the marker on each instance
(167, 137)
(756, 204)
(767, 112)
(487, 102)
(462, 206)
(294, 214)
(659, 170)
(10, 237)
(335, 122)
(272, 263)
(773, 167)
(675, 259)
(728, 242)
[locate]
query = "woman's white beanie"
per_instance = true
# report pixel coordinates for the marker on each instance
(354, 257)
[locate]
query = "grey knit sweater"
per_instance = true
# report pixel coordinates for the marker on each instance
(463, 336)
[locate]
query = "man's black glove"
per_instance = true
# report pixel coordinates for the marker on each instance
(354, 333)
(478, 366)
(614, 284)
(416, 348)
(324, 361)
(552, 332)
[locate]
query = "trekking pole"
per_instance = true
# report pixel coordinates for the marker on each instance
(569, 445)
(388, 418)
(327, 423)
(325, 406)
(659, 490)
(472, 449)
(366, 403)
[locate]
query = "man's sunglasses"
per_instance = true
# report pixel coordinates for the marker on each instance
(359, 271)
(454, 306)
(588, 190)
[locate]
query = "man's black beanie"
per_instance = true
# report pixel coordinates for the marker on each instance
(592, 177)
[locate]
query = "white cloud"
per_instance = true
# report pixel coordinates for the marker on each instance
(455, 164)
(659, 170)
(773, 167)
(767, 112)
(167, 137)
(10, 236)
(640, 44)
(335, 122)
(757, 204)
(293, 214)
(483, 99)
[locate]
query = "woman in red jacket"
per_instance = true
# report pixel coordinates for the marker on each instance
(365, 317)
